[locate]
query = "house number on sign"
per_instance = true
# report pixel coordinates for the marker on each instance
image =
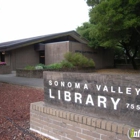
(133, 106)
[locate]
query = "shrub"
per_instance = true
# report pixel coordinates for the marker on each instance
(38, 67)
(71, 60)
(54, 66)
(79, 60)
(42, 65)
(69, 56)
(29, 68)
(91, 63)
(66, 64)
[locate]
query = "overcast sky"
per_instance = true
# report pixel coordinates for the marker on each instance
(28, 18)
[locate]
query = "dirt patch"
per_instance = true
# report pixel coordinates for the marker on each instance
(15, 112)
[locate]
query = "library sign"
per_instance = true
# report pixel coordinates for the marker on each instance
(106, 96)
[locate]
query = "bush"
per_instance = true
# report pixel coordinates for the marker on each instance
(38, 67)
(91, 63)
(79, 60)
(54, 66)
(41, 65)
(66, 64)
(69, 57)
(29, 68)
(71, 60)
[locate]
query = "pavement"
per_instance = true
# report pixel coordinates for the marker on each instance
(31, 82)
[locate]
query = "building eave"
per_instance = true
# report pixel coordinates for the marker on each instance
(7, 46)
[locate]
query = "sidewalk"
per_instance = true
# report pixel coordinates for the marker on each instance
(12, 79)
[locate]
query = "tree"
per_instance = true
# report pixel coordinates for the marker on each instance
(85, 31)
(116, 23)
(92, 3)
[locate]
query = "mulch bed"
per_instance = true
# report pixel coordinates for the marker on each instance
(15, 112)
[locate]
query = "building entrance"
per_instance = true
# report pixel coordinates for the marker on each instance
(42, 57)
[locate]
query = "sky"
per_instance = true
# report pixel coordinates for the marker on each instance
(28, 18)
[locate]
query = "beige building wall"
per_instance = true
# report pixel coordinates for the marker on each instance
(21, 57)
(88, 52)
(54, 52)
(102, 57)
(7, 58)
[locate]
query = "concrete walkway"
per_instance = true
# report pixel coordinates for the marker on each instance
(12, 79)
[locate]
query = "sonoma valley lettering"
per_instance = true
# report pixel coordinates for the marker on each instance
(98, 87)
(69, 92)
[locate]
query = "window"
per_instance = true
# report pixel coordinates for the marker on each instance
(2, 57)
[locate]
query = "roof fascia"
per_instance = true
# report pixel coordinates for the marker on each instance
(31, 41)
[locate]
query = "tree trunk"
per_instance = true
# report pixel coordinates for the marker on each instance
(131, 58)
(134, 64)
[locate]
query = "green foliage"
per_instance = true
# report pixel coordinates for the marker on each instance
(62, 64)
(85, 32)
(92, 3)
(119, 53)
(72, 60)
(67, 64)
(79, 60)
(38, 67)
(29, 68)
(91, 63)
(114, 23)
(42, 65)
(54, 66)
